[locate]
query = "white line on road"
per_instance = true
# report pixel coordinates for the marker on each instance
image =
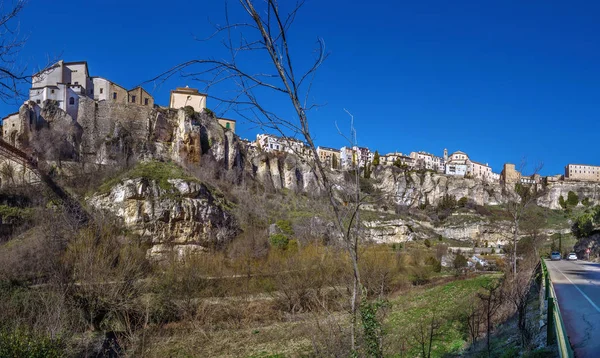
(578, 289)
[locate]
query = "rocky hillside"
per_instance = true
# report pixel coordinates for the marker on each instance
(173, 212)
(411, 189)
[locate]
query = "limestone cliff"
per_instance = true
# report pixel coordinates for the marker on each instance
(410, 189)
(182, 216)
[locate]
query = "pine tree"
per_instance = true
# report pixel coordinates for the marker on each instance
(376, 159)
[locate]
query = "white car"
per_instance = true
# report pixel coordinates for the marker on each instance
(572, 256)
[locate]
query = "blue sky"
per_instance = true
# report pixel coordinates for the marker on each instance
(500, 80)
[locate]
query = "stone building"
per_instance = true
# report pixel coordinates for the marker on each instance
(424, 160)
(509, 174)
(140, 96)
(185, 96)
(105, 90)
(227, 123)
(329, 157)
(66, 83)
(582, 172)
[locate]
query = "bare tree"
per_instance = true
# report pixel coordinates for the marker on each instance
(12, 72)
(265, 32)
(518, 199)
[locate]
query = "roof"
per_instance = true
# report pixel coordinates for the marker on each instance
(485, 165)
(187, 90)
(586, 165)
(459, 152)
(10, 115)
(78, 63)
(47, 69)
(226, 119)
(328, 148)
(34, 88)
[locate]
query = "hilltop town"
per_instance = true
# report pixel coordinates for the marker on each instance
(65, 85)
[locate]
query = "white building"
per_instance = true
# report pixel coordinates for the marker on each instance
(347, 158)
(66, 82)
(63, 82)
(459, 164)
(424, 160)
(270, 143)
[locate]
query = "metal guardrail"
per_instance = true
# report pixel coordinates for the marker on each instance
(556, 331)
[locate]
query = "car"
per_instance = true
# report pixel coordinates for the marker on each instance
(555, 255)
(572, 256)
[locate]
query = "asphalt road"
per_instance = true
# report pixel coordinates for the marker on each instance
(577, 286)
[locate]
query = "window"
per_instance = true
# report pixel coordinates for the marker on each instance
(145, 101)
(38, 101)
(114, 95)
(101, 90)
(132, 99)
(76, 83)
(71, 100)
(51, 91)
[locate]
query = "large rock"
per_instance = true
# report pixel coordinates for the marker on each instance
(183, 217)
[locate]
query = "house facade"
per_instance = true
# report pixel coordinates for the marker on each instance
(582, 172)
(424, 160)
(330, 157)
(66, 82)
(185, 96)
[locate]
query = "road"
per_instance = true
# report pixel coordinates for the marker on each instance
(577, 286)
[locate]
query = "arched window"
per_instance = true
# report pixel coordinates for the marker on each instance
(72, 100)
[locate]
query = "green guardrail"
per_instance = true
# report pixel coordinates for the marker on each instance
(557, 333)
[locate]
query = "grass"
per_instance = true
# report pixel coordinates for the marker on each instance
(445, 303)
(157, 171)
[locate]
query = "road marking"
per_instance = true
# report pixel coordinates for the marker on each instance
(578, 289)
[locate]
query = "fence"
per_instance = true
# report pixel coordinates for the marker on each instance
(556, 327)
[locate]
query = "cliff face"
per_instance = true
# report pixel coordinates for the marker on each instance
(181, 217)
(583, 190)
(411, 189)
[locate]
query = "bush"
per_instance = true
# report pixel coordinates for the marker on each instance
(427, 243)
(462, 202)
(460, 262)
(586, 202)
(279, 241)
(17, 343)
(562, 202)
(572, 199)
(448, 202)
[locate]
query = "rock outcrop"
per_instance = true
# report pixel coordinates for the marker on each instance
(411, 189)
(182, 217)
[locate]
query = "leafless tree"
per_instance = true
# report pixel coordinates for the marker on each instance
(518, 198)
(266, 32)
(12, 72)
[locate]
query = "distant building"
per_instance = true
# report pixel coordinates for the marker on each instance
(227, 123)
(185, 96)
(511, 176)
(140, 96)
(65, 83)
(105, 90)
(459, 164)
(424, 160)
(270, 143)
(347, 158)
(329, 157)
(582, 172)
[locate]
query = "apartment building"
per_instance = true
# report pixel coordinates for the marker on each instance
(329, 157)
(582, 172)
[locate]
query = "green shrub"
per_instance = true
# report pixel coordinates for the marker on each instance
(285, 226)
(189, 111)
(562, 202)
(427, 243)
(279, 241)
(586, 202)
(17, 343)
(572, 199)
